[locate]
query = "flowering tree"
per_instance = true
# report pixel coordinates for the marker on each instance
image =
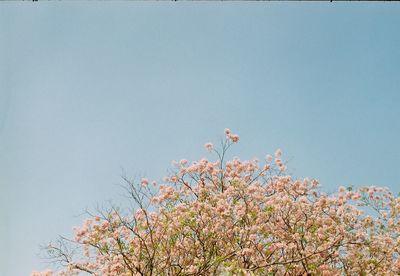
(238, 218)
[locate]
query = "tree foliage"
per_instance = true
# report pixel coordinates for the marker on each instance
(238, 218)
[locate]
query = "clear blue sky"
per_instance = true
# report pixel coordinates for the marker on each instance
(88, 88)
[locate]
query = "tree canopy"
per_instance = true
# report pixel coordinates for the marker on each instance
(234, 217)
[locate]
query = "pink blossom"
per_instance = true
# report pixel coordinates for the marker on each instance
(234, 138)
(278, 153)
(209, 147)
(144, 182)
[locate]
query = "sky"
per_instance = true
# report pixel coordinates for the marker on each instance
(89, 90)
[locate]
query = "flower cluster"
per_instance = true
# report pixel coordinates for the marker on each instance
(241, 218)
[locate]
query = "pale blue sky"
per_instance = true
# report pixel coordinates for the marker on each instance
(88, 88)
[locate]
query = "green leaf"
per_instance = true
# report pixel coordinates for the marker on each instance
(350, 188)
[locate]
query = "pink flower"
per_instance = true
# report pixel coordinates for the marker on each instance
(247, 251)
(356, 196)
(209, 146)
(234, 138)
(43, 273)
(144, 182)
(140, 214)
(183, 162)
(278, 153)
(192, 269)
